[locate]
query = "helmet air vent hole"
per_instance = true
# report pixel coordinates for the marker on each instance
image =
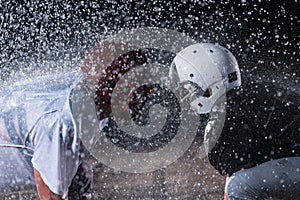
(211, 51)
(195, 51)
(191, 75)
(207, 92)
(200, 105)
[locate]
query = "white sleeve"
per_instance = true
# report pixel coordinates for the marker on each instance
(56, 153)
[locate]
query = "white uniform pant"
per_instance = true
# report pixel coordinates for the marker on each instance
(276, 179)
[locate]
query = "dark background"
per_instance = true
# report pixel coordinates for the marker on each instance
(43, 35)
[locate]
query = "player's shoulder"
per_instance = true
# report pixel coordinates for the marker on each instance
(259, 92)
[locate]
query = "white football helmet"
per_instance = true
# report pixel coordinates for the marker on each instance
(206, 72)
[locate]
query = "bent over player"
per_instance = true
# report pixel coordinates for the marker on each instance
(253, 133)
(57, 116)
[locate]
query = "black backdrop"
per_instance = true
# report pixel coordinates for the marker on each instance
(263, 35)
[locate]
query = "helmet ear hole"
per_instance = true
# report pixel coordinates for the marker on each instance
(232, 77)
(207, 93)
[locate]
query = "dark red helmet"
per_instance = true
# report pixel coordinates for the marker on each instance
(116, 70)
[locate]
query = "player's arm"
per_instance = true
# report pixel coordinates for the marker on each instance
(43, 190)
(225, 194)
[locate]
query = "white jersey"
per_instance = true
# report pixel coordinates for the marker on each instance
(48, 115)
